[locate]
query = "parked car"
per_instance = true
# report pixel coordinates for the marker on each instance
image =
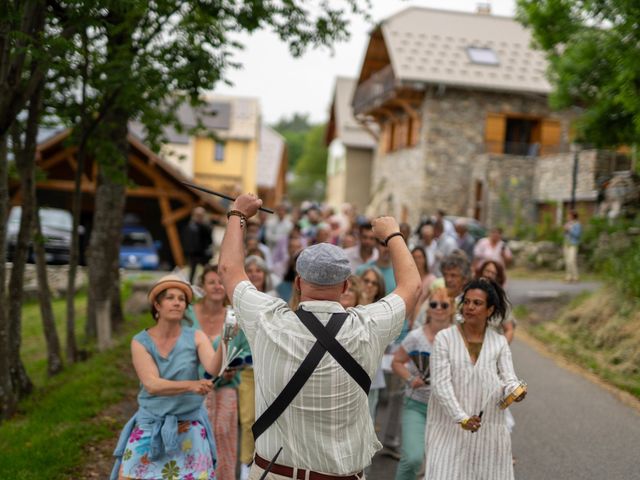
(138, 250)
(476, 229)
(56, 227)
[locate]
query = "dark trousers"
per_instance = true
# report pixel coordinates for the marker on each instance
(194, 261)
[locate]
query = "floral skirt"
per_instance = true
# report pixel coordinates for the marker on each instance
(192, 462)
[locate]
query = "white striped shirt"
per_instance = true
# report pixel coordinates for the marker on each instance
(327, 427)
(461, 389)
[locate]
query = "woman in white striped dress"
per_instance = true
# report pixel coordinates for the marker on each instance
(471, 371)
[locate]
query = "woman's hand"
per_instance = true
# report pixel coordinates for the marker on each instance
(471, 424)
(201, 387)
(417, 383)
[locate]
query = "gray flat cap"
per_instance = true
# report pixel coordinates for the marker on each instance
(323, 264)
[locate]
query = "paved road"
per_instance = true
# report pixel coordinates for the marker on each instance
(568, 427)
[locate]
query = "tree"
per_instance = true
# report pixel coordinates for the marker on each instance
(311, 169)
(592, 49)
(294, 131)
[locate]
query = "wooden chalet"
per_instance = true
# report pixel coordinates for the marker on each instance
(155, 196)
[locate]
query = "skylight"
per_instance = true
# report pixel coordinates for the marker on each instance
(483, 56)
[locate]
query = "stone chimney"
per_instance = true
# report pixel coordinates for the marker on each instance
(483, 8)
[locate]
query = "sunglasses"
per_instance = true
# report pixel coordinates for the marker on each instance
(443, 305)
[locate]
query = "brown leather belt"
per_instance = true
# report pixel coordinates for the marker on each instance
(301, 474)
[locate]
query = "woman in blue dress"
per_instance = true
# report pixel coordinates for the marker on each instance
(170, 436)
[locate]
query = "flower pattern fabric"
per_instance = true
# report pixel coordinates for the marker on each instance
(192, 462)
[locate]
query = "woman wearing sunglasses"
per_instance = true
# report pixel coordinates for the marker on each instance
(411, 363)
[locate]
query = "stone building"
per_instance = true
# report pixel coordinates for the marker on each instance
(460, 100)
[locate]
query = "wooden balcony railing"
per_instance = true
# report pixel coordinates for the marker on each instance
(373, 91)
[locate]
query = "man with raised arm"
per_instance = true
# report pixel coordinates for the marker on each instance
(313, 367)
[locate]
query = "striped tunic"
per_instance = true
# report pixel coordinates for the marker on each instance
(461, 389)
(327, 428)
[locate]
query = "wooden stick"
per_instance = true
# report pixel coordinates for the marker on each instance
(268, 469)
(221, 195)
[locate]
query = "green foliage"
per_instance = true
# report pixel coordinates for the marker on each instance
(47, 438)
(613, 249)
(294, 130)
(592, 49)
(311, 169)
(547, 230)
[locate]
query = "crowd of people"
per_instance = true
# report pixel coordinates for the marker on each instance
(415, 317)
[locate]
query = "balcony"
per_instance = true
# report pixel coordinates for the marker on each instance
(374, 91)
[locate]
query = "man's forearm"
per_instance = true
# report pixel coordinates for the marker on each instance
(231, 264)
(405, 271)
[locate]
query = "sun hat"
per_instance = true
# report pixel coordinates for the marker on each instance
(170, 281)
(323, 264)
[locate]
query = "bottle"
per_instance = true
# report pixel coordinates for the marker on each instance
(230, 328)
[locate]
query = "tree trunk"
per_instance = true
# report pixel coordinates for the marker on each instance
(24, 153)
(104, 245)
(8, 399)
(74, 256)
(54, 357)
(117, 315)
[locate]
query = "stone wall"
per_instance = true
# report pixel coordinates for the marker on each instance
(439, 172)
(509, 186)
(554, 177)
(57, 276)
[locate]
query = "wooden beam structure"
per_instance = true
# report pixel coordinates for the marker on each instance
(162, 182)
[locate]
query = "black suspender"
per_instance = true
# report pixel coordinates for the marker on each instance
(326, 342)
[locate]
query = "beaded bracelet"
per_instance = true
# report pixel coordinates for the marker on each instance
(238, 213)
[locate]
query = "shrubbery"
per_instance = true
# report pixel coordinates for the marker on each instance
(613, 249)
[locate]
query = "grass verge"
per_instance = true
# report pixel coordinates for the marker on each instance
(47, 437)
(600, 332)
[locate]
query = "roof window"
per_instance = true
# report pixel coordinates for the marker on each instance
(483, 56)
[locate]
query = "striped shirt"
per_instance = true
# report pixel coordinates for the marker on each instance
(461, 389)
(327, 427)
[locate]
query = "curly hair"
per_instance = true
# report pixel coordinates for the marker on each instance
(496, 296)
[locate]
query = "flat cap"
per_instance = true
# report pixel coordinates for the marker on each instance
(323, 264)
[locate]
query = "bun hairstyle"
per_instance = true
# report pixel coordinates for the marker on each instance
(496, 296)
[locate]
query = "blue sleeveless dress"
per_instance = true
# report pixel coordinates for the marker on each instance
(169, 437)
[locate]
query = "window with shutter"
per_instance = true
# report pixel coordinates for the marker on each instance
(550, 136)
(494, 132)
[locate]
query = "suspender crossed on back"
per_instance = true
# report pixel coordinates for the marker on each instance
(326, 342)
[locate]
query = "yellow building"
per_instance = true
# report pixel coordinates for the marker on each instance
(223, 152)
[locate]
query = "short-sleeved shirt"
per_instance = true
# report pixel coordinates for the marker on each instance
(327, 427)
(419, 350)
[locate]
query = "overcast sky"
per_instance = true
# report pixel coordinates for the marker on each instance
(285, 85)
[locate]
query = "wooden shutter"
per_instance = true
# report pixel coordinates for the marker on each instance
(494, 132)
(550, 136)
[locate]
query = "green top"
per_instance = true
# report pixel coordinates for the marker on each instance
(239, 341)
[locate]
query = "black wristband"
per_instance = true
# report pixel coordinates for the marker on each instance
(395, 234)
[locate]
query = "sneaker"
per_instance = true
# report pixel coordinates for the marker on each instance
(244, 471)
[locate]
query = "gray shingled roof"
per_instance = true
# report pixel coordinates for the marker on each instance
(430, 46)
(348, 130)
(270, 154)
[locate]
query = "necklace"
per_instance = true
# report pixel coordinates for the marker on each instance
(473, 348)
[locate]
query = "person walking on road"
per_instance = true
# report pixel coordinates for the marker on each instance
(317, 415)
(411, 363)
(471, 371)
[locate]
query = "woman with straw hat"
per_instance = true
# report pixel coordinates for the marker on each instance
(170, 435)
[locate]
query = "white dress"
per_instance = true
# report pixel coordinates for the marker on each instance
(461, 389)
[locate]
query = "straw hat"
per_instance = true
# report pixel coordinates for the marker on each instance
(170, 281)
